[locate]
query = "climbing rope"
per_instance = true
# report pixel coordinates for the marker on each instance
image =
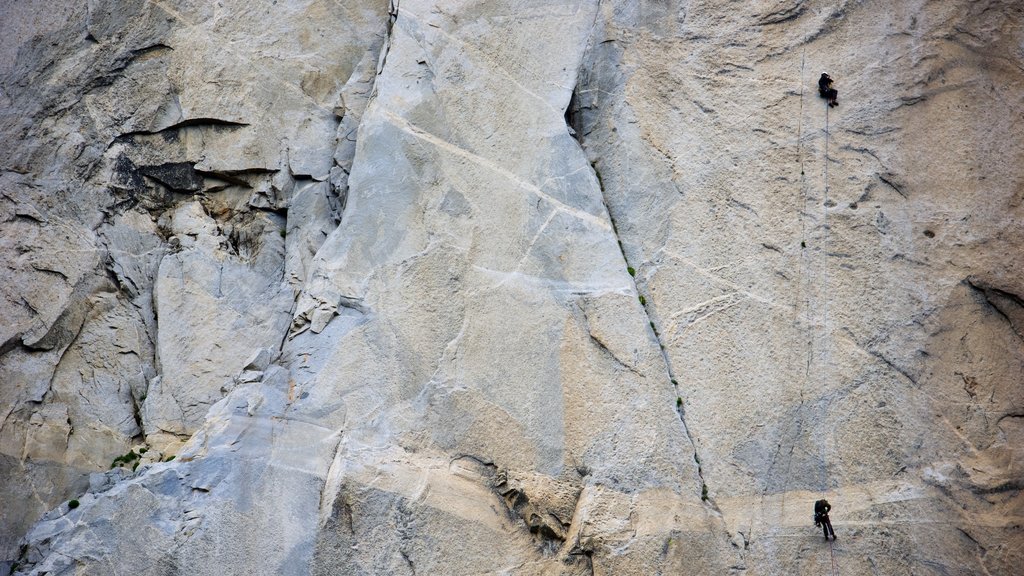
(827, 347)
(827, 107)
(796, 308)
(818, 342)
(813, 342)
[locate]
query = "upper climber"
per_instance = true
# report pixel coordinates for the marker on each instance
(826, 90)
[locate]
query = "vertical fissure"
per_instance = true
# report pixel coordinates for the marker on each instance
(574, 121)
(330, 488)
(645, 305)
(392, 18)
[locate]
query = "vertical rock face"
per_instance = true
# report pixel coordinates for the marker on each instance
(510, 288)
(153, 155)
(829, 283)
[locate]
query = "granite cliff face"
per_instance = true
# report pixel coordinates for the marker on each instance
(473, 287)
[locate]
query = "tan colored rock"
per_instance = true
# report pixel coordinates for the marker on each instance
(218, 299)
(525, 288)
(810, 270)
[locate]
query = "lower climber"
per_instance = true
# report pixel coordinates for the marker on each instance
(826, 90)
(821, 508)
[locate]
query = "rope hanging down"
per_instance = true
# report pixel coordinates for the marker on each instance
(826, 345)
(824, 305)
(820, 350)
(816, 342)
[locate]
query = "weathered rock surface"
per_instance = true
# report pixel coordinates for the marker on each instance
(511, 288)
(151, 155)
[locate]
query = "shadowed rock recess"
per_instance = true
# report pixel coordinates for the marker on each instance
(552, 287)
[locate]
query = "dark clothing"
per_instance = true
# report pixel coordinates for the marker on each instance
(824, 83)
(821, 510)
(826, 90)
(826, 527)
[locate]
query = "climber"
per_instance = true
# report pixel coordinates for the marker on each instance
(821, 508)
(826, 90)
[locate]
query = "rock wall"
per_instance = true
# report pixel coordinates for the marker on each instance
(472, 287)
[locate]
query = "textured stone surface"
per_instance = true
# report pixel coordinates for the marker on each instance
(146, 217)
(812, 271)
(510, 288)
